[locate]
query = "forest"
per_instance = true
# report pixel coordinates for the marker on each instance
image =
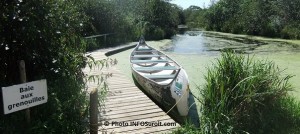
(270, 18)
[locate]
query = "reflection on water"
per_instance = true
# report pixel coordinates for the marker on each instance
(189, 43)
(201, 42)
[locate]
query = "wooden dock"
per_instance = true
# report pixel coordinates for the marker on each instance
(126, 108)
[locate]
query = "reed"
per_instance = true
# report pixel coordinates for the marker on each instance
(242, 95)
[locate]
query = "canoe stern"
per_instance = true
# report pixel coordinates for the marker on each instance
(180, 92)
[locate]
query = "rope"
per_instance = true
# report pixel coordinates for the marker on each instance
(176, 103)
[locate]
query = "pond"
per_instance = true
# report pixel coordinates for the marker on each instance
(197, 50)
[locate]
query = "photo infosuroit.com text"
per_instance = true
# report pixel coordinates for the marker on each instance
(138, 123)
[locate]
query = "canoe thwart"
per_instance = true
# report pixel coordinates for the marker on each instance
(150, 61)
(146, 56)
(156, 68)
(172, 76)
(144, 49)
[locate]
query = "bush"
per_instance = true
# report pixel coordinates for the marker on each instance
(154, 33)
(47, 36)
(242, 95)
(291, 31)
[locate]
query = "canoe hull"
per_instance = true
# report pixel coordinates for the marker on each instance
(162, 78)
(165, 96)
(161, 94)
(169, 95)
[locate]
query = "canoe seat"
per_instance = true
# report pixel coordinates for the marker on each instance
(150, 61)
(144, 49)
(147, 56)
(156, 68)
(171, 76)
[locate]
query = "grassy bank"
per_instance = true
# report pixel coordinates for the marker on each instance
(242, 95)
(255, 37)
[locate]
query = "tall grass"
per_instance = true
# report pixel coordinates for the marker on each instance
(246, 96)
(242, 95)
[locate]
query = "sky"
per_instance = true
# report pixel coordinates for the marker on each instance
(187, 3)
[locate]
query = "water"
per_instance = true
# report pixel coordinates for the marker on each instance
(210, 43)
(188, 44)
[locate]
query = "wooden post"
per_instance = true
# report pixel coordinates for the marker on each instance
(23, 79)
(105, 39)
(94, 111)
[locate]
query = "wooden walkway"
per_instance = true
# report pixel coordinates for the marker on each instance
(126, 108)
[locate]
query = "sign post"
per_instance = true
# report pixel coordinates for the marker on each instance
(24, 96)
(23, 79)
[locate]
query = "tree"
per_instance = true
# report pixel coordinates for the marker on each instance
(47, 35)
(272, 18)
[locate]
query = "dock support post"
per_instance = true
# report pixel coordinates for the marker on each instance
(94, 111)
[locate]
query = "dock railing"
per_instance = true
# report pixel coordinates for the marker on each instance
(99, 41)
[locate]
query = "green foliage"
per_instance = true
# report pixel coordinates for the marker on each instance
(148, 17)
(105, 18)
(187, 128)
(92, 44)
(242, 95)
(157, 17)
(271, 18)
(194, 17)
(155, 33)
(47, 36)
(130, 19)
(291, 31)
